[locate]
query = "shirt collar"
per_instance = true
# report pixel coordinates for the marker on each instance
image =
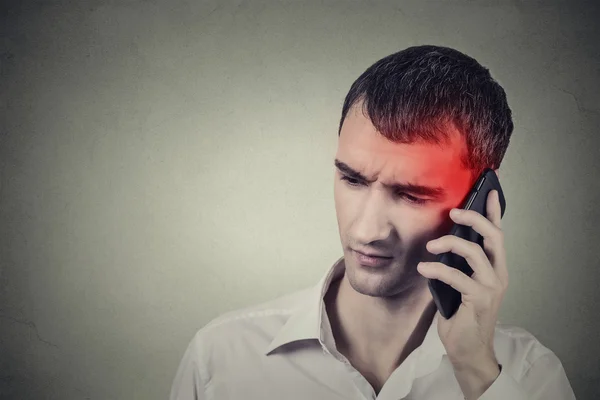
(308, 322)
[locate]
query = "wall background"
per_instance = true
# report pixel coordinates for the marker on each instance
(162, 162)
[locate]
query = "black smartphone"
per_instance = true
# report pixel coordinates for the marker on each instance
(446, 298)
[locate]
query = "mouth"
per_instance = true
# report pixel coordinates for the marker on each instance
(370, 260)
(373, 254)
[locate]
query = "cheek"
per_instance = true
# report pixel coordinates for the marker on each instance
(445, 224)
(343, 204)
(420, 226)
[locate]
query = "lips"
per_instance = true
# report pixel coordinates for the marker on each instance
(368, 254)
(371, 261)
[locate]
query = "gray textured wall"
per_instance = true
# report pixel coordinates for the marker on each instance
(163, 162)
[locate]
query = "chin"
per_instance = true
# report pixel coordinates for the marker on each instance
(378, 291)
(382, 283)
(377, 283)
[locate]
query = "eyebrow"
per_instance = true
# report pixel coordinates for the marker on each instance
(430, 191)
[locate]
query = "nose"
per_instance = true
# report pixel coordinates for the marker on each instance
(372, 222)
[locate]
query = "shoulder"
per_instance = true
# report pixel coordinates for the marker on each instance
(517, 349)
(257, 314)
(253, 326)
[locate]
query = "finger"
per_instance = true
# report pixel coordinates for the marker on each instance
(471, 252)
(451, 276)
(493, 237)
(494, 209)
(478, 222)
(497, 253)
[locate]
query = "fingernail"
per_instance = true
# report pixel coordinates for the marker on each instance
(456, 211)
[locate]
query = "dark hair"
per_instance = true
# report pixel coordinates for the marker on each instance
(412, 95)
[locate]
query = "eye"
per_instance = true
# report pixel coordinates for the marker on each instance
(351, 181)
(409, 198)
(415, 200)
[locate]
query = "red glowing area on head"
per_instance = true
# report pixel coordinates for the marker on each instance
(385, 163)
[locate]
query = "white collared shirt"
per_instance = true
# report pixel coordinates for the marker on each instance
(284, 349)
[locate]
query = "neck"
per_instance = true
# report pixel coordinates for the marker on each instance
(379, 332)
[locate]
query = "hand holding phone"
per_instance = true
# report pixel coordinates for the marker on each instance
(446, 298)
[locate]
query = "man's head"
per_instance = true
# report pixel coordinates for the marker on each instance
(427, 116)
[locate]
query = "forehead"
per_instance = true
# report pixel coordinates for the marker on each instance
(367, 151)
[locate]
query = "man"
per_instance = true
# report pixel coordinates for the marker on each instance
(417, 129)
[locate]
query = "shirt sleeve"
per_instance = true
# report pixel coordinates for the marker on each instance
(545, 379)
(190, 379)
